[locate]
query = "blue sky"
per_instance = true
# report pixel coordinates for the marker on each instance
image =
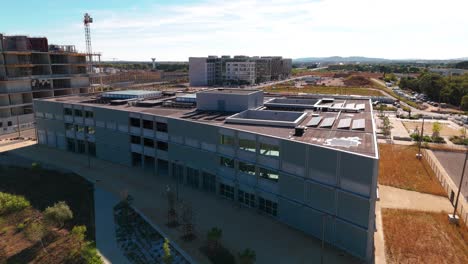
(175, 30)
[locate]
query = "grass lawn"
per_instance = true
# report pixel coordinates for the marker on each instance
(323, 90)
(45, 187)
(445, 131)
(398, 167)
(423, 237)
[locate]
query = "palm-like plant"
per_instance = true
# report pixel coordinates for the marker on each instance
(214, 236)
(247, 256)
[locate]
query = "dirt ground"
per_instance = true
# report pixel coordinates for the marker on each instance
(331, 82)
(423, 237)
(447, 130)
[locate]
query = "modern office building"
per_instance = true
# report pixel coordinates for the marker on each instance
(311, 163)
(224, 70)
(31, 68)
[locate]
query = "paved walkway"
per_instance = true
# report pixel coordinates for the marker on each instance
(106, 243)
(272, 241)
(391, 197)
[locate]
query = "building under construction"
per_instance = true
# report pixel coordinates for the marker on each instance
(31, 68)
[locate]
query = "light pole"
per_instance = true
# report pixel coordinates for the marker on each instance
(453, 217)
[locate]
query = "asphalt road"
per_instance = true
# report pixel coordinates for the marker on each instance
(453, 164)
(27, 133)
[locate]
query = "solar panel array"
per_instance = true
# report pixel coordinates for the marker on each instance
(328, 122)
(344, 123)
(314, 121)
(359, 124)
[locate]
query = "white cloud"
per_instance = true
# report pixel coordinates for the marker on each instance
(291, 28)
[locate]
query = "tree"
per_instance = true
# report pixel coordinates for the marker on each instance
(436, 128)
(386, 126)
(35, 232)
(214, 236)
(58, 214)
(247, 256)
(464, 103)
(171, 213)
(187, 221)
(167, 257)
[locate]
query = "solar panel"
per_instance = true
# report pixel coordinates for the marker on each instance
(328, 122)
(351, 106)
(338, 105)
(314, 121)
(344, 123)
(359, 124)
(361, 106)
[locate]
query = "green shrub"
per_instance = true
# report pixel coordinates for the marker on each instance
(10, 203)
(459, 140)
(58, 214)
(90, 254)
(20, 227)
(4, 230)
(36, 166)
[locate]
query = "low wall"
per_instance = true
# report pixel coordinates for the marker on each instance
(447, 183)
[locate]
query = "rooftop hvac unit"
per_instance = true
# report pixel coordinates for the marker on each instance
(299, 131)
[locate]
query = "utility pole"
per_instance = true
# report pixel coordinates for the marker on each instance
(453, 218)
(419, 155)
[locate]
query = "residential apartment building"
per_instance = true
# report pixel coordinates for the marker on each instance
(213, 70)
(311, 163)
(31, 68)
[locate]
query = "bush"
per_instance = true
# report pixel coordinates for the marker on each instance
(459, 140)
(90, 255)
(36, 166)
(58, 214)
(10, 203)
(20, 227)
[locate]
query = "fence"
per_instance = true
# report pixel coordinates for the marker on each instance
(449, 186)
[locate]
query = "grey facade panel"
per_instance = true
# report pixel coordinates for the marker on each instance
(322, 164)
(357, 173)
(351, 238)
(113, 146)
(353, 208)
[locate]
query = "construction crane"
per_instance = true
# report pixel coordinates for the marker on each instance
(88, 20)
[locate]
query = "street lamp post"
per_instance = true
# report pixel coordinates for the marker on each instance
(453, 217)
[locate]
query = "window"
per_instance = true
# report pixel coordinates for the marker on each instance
(269, 150)
(162, 145)
(70, 145)
(90, 130)
(9, 123)
(69, 127)
(209, 182)
(247, 168)
(135, 140)
(246, 198)
(67, 111)
(226, 191)
(147, 124)
(136, 159)
(89, 114)
(227, 162)
(78, 113)
(81, 147)
(134, 122)
(92, 149)
(268, 206)
(269, 174)
(1, 124)
(192, 177)
(161, 127)
(247, 145)
(148, 142)
(79, 128)
(227, 140)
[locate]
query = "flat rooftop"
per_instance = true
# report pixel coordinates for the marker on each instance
(230, 91)
(339, 128)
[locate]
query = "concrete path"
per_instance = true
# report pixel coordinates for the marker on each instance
(391, 197)
(106, 243)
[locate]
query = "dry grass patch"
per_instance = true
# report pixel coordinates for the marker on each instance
(398, 167)
(324, 90)
(423, 237)
(446, 131)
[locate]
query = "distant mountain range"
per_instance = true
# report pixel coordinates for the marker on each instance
(356, 59)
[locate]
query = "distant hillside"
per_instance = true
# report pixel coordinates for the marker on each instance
(338, 59)
(360, 59)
